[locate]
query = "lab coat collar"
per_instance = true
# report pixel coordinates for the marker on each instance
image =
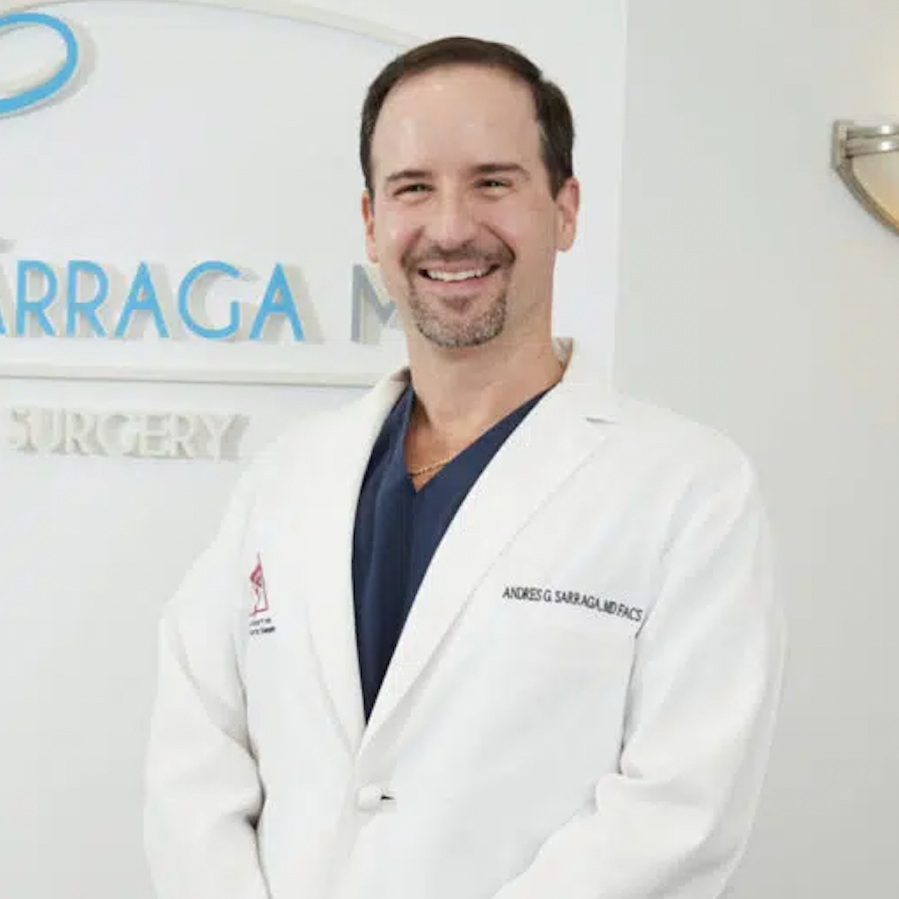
(556, 437)
(339, 458)
(583, 381)
(558, 434)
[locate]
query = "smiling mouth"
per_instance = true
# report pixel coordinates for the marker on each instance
(444, 277)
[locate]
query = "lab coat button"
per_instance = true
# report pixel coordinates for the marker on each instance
(370, 797)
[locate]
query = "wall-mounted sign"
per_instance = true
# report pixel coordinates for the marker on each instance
(142, 434)
(84, 299)
(75, 300)
(204, 226)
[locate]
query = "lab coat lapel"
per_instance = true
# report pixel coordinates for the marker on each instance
(325, 571)
(555, 438)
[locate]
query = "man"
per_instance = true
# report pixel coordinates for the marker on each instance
(491, 631)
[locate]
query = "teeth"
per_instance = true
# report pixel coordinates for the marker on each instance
(455, 276)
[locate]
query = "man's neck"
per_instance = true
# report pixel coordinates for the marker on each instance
(460, 394)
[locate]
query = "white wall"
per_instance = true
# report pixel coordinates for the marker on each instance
(90, 548)
(757, 296)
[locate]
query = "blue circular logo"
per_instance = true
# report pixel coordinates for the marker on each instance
(32, 96)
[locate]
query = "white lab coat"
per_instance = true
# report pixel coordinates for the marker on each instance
(580, 705)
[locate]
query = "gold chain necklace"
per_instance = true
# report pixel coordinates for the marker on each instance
(416, 472)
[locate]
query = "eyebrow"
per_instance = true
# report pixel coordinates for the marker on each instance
(501, 168)
(485, 168)
(407, 175)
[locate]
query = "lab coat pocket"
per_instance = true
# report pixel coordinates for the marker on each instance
(568, 668)
(553, 636)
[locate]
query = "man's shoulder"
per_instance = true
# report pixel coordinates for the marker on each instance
(301, 440)
(646, 433)
(666, 440)
(314, 442)
(644, 419)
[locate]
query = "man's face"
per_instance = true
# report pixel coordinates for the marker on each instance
(463, 222)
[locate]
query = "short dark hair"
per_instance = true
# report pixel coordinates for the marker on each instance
(553, 112)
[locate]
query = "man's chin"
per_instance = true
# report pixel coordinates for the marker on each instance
(461, 335)
(447, 341)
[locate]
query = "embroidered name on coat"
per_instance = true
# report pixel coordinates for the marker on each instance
(573, 597)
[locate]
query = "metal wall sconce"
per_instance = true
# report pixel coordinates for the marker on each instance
(861, 157)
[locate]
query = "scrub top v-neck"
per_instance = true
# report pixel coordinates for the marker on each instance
(398, 529)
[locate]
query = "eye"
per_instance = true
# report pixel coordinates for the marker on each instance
(494, 184)
(415, 188)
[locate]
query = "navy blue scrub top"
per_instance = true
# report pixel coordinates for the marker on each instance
(398, 530)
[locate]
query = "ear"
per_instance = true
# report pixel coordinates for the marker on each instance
(568, 203)
(368, 219)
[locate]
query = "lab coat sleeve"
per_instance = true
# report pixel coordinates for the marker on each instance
(673, 822)
(203, 794)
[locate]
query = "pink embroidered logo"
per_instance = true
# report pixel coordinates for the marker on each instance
(257, 582)
(260, 620)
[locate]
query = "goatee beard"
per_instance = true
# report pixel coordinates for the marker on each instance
(427, 318)
(476, 332)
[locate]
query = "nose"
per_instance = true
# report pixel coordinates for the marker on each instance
(452, 222)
